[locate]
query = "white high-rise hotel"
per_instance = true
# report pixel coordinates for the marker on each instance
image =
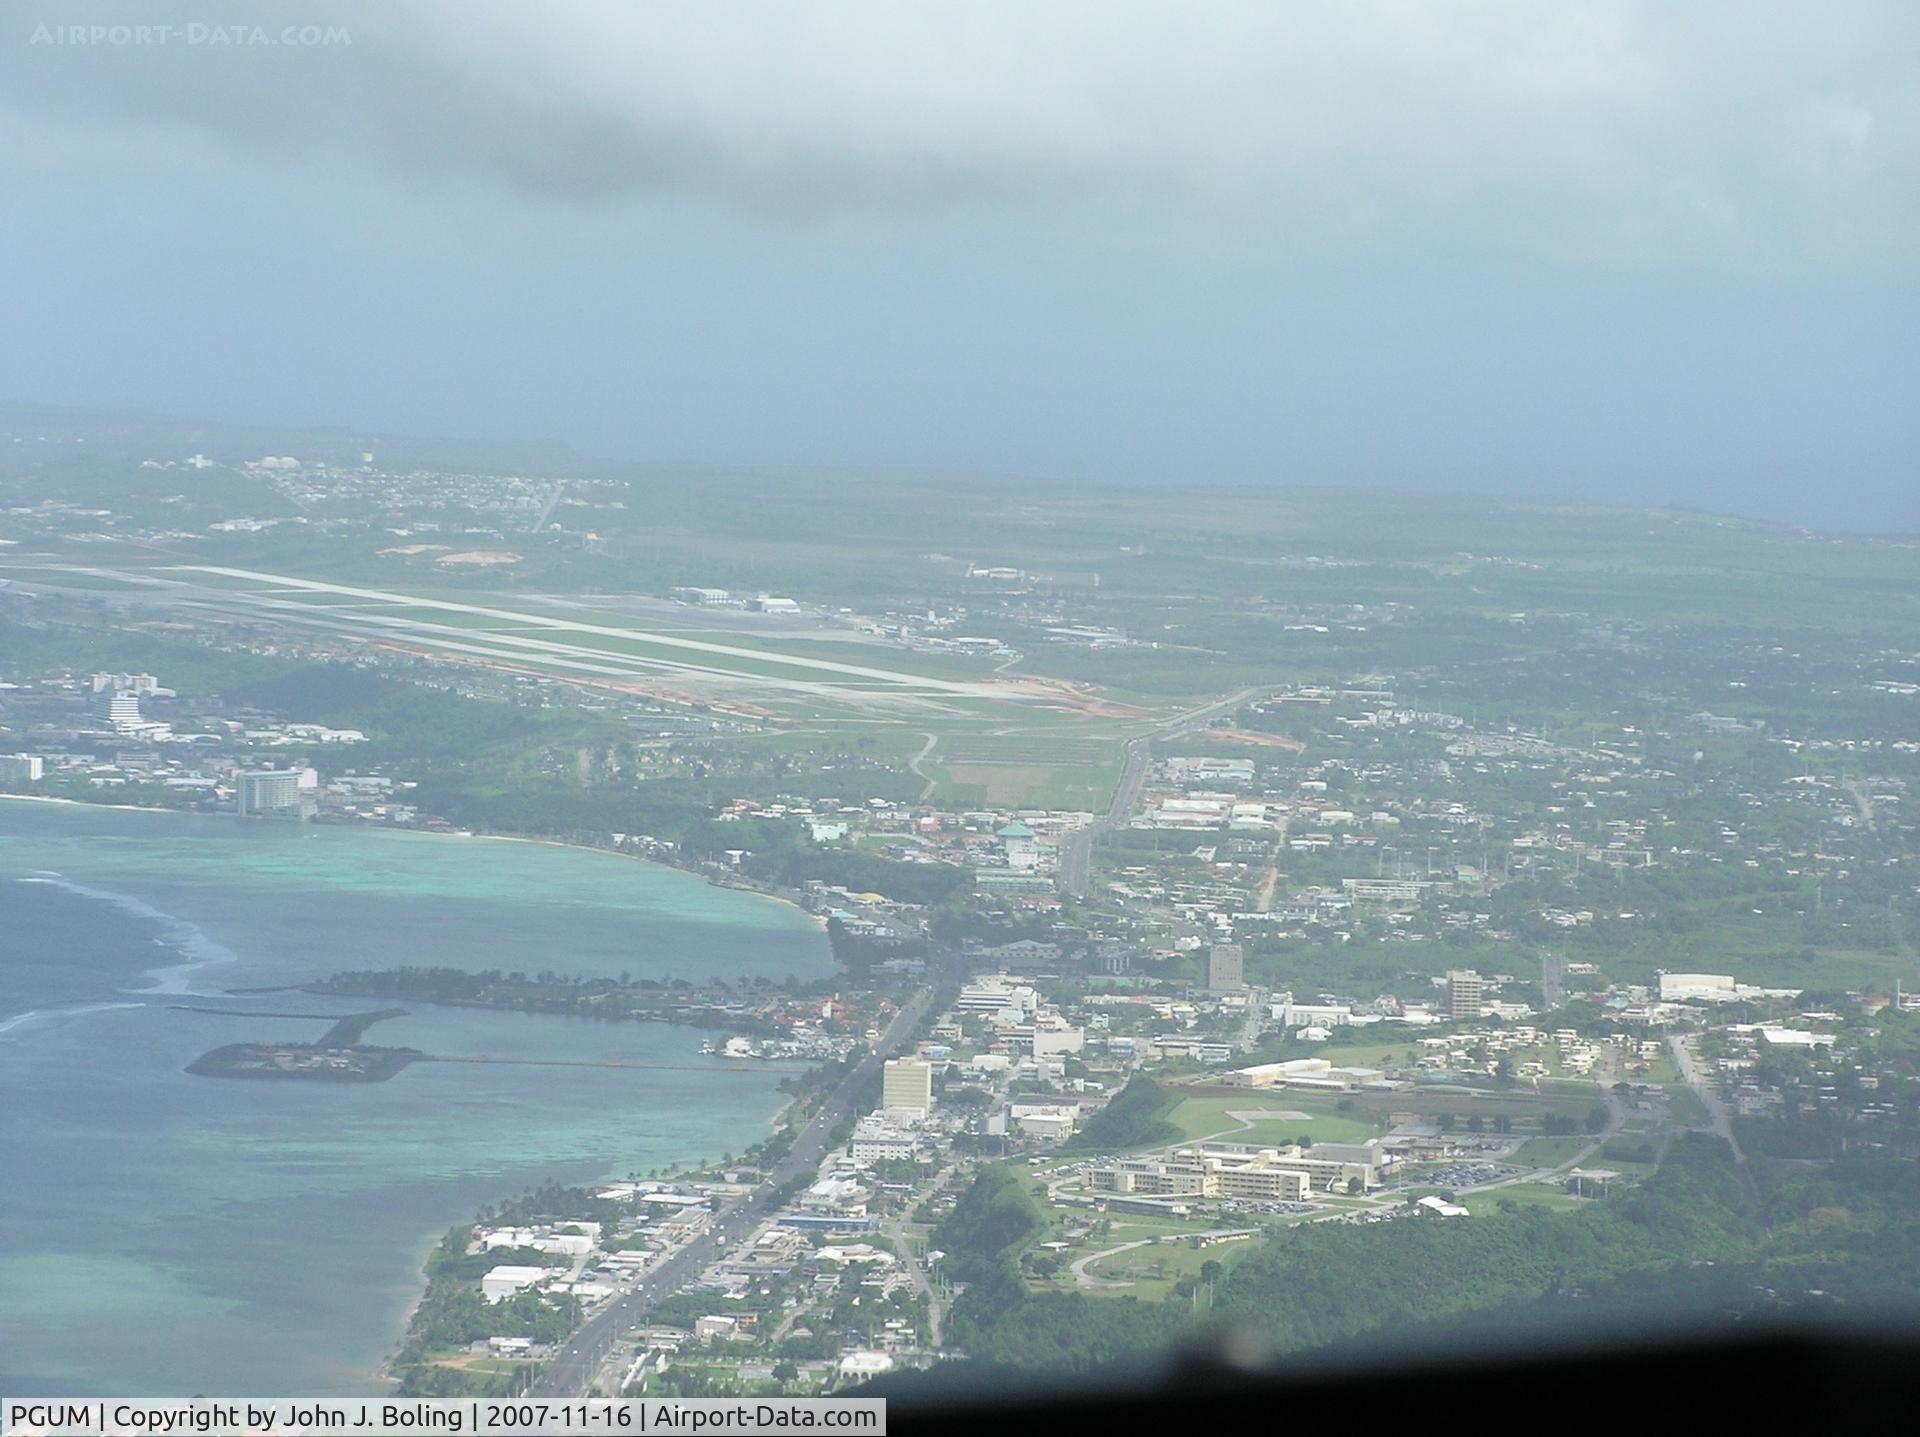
(266, 791)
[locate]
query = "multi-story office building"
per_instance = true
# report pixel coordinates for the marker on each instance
(1466, 993)
(1224, 968)
(906, 1086)
(995, 995)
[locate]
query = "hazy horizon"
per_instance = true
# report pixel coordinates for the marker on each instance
(425, 442)
(1616, 252)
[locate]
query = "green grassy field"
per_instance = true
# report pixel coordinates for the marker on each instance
(1210, 1116)
(1521, 1104)
(1552, 1197)
(1686, 1107)
(1549, 1152)
(1153, 1272)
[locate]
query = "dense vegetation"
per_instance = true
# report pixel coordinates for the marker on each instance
(403, 720)
(1135, 1118)
(674, 1000)
(1697, 1243)
(993, 1220)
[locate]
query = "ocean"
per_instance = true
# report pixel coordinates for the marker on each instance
(164, 1234)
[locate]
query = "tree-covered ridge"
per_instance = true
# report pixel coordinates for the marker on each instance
(1135, 1118)
(1842, 1242)
(995, 1218)
(1313, 1284)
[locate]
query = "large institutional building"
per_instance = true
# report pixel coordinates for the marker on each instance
(1238, 1170)
(906, 1086)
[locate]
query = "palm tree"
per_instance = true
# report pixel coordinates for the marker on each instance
(1210, 1273)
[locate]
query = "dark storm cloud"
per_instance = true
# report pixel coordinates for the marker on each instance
(1603, 132)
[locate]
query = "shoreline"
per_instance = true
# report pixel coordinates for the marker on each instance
(384, 1372)
(772, 895)
(87, 803)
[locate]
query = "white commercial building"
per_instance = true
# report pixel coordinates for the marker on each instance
(1057, 1042)
(503, 1282)
(1209, 1172)
(877, 1140)
(1714, 988)
(1290, 1014)
(1319, 1073)
(997, 995)
(1051, 1121)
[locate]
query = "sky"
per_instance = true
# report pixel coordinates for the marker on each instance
(1639, 252)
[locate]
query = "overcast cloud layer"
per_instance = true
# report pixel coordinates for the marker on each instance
(1648, 252)
(1740, 131)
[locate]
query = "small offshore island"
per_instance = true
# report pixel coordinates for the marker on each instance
(337, 1057)
(303, 1060)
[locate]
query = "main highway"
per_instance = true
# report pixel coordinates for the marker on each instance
(1076, 854)
(571, 1370)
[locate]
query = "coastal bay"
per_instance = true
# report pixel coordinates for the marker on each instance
(170, 1234)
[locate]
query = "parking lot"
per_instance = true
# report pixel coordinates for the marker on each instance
(1464, 1175)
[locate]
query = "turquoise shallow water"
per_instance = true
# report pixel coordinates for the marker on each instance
(161, 1233)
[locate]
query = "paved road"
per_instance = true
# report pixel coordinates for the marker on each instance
(1862, 801)
(1076, 856)
(916, 1272)
(1616, 1122)
(546, 511)
(1708, 1092)
(1083, 1278)
(1553, 981)
(570, 1371)
(914, 764)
